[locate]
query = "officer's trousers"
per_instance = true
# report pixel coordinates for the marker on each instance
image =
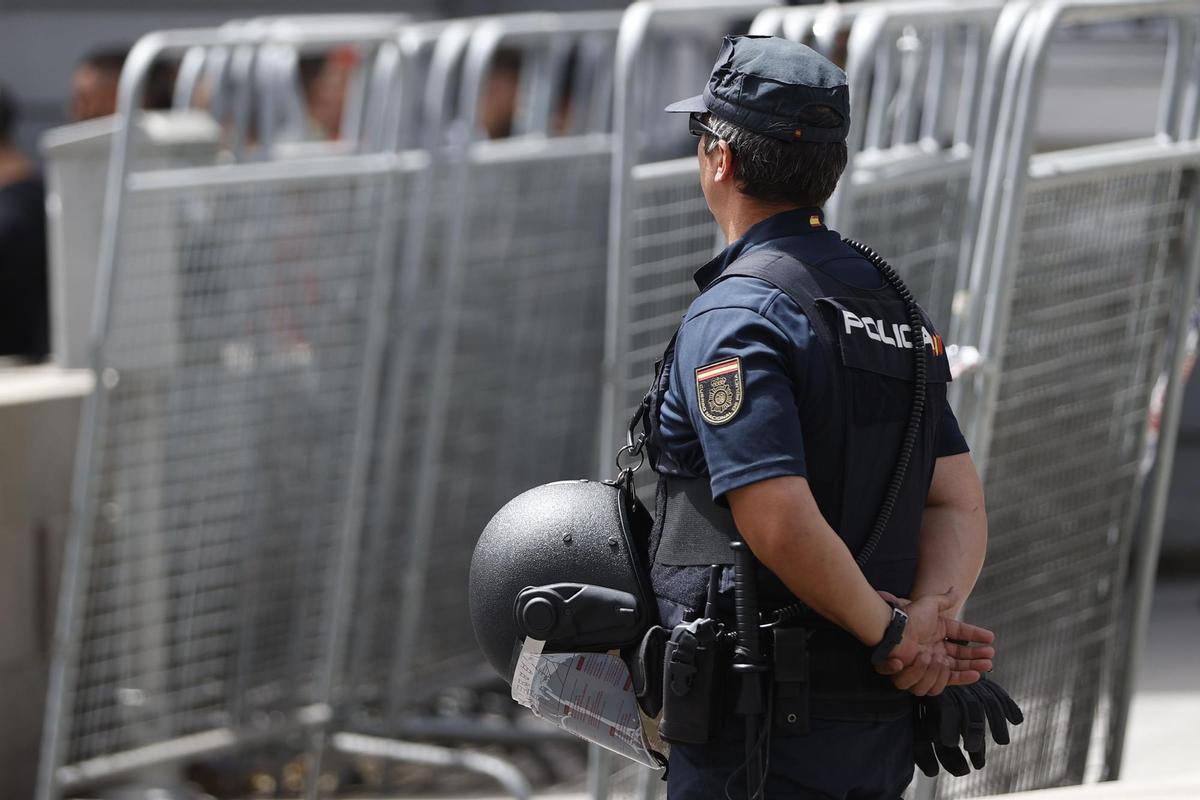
(835, 761)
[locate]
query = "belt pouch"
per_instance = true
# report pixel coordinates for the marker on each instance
(689, 683)
(791, 704)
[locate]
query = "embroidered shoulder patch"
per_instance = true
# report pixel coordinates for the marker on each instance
(719, 390)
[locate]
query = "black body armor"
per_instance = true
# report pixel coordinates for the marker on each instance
(864, 337)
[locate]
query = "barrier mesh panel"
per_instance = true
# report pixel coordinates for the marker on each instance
(527, 323)
(76, 170)
(671, 235)
(236, 361)
(386, 546)
(1098, 260)
(530, 326)
(918, 227)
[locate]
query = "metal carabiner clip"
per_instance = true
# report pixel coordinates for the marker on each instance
(631, 451)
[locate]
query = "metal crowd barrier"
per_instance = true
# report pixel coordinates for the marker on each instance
(250, 561)
(76, 162)
(916, 73)
(255, 87)
(77, 154)
(910, 154)
(319, 377)
(1084, 270)
(283, 110)
(220, 471)
(394, 117)
(403, 72)
(660, 229)
(501, 304)
(374, 680)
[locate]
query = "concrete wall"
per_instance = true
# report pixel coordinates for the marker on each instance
(39, 419)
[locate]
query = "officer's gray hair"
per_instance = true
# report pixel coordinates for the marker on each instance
(770, 169)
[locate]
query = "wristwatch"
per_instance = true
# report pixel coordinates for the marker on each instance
(891, 636)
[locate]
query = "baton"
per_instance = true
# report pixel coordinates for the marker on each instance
(748, 661)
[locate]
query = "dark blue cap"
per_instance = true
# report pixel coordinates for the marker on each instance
(765, 84)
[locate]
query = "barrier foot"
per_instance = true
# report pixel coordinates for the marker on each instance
(502, 771)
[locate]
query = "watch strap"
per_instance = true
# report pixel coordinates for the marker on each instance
(891, 636)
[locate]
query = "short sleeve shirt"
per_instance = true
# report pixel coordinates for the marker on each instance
(779, 427)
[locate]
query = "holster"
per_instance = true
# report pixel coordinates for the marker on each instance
(790, 679)
(694, 668)
(646, 669)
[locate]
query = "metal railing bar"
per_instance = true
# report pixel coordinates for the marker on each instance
(183, 748)
(270, 172)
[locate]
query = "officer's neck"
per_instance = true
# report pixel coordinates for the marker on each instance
(744, 213)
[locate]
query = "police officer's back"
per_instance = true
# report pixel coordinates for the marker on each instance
(778, 416)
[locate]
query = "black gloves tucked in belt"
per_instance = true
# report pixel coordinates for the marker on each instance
(961, 712)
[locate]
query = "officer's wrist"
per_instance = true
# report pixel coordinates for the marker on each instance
(881, 618)
(893, 635)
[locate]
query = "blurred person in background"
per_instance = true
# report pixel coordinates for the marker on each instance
(94, 84)
(24, 304)
(501, 95)
(95, 79)
(310, 71)
(498, 102)
(325, 80)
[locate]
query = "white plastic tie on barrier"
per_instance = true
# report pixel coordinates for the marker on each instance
(964, 360)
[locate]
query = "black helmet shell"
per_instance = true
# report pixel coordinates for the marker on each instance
(581, 532)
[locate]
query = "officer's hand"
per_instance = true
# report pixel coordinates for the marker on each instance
(966, 632)
(926, 667)
(967, 661)
(927, 617)
(973, 658)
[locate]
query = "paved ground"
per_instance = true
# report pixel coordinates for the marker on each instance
(1163, 740)
(1162, 745)
(1122, 790)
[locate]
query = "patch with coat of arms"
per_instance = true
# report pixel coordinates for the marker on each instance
(719, 390)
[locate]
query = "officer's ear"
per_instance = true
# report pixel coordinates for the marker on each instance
(722, 155)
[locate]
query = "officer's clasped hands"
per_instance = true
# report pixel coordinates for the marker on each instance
(958, 705)
(937, 650)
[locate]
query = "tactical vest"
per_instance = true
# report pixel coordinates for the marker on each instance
(865, 339)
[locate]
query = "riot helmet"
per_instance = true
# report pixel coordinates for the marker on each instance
(562, 563)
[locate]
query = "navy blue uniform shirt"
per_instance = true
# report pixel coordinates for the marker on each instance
(783, 427)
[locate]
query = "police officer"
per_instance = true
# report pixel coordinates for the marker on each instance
(789, 415)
